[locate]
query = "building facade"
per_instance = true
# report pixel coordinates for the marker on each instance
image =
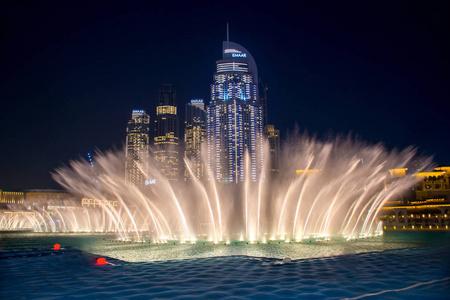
(45, 199)
(273, 137)
(137, 147)
(195, 137)
(428, 208)
(166, 139)
(7, 197)
(235, 118)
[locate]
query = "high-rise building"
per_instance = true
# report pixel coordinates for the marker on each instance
(195, 137)
(137, 147)
(166, 133)
(235, 117)
(273, 137)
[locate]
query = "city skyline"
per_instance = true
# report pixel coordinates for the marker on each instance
(377, 71)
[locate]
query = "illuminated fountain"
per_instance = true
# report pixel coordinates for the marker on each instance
(325, 189)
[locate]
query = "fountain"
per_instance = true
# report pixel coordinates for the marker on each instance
(327, 189)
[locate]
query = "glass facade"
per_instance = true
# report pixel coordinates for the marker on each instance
(137, 146)
(195, 137)
(273, 136)
(166, 133)
(235, 118)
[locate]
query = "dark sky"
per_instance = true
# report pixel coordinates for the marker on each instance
(71, 72)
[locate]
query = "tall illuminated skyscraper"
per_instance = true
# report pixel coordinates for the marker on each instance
(166, 133)
(137, 147)
(195, 136)
(235, 117)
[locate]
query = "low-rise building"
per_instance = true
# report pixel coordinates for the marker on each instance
(427, 209)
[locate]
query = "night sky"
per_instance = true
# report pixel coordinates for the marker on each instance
(71, 73)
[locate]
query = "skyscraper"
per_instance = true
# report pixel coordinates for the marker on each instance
(273, 137)
(195, 136)
(137, 146)
(235, 117)
(166, 133)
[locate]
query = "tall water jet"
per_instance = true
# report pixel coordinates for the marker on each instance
(333, 187)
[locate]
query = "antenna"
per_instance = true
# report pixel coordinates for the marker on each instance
(228, 37)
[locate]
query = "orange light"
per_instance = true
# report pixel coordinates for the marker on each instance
(57, 246)
(308, 171)
(101, 260)
(427, 174)
(395, 173)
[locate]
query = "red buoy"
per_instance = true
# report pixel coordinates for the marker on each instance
(101, 260)
(56, 247)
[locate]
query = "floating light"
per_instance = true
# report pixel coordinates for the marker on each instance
(101, 261)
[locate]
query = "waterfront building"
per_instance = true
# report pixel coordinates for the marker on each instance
(195, 137)
(37, 199)
(434, 184)
(39, 209)
(9, 197)
(49, 199)
(137, 147)
(98, 203)
(235, 117)
(166, 137)
(428, 206)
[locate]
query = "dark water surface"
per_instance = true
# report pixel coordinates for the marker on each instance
(393, 267)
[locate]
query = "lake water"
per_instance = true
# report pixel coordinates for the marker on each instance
(375, 268)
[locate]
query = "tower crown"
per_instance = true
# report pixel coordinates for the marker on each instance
(235, 58)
